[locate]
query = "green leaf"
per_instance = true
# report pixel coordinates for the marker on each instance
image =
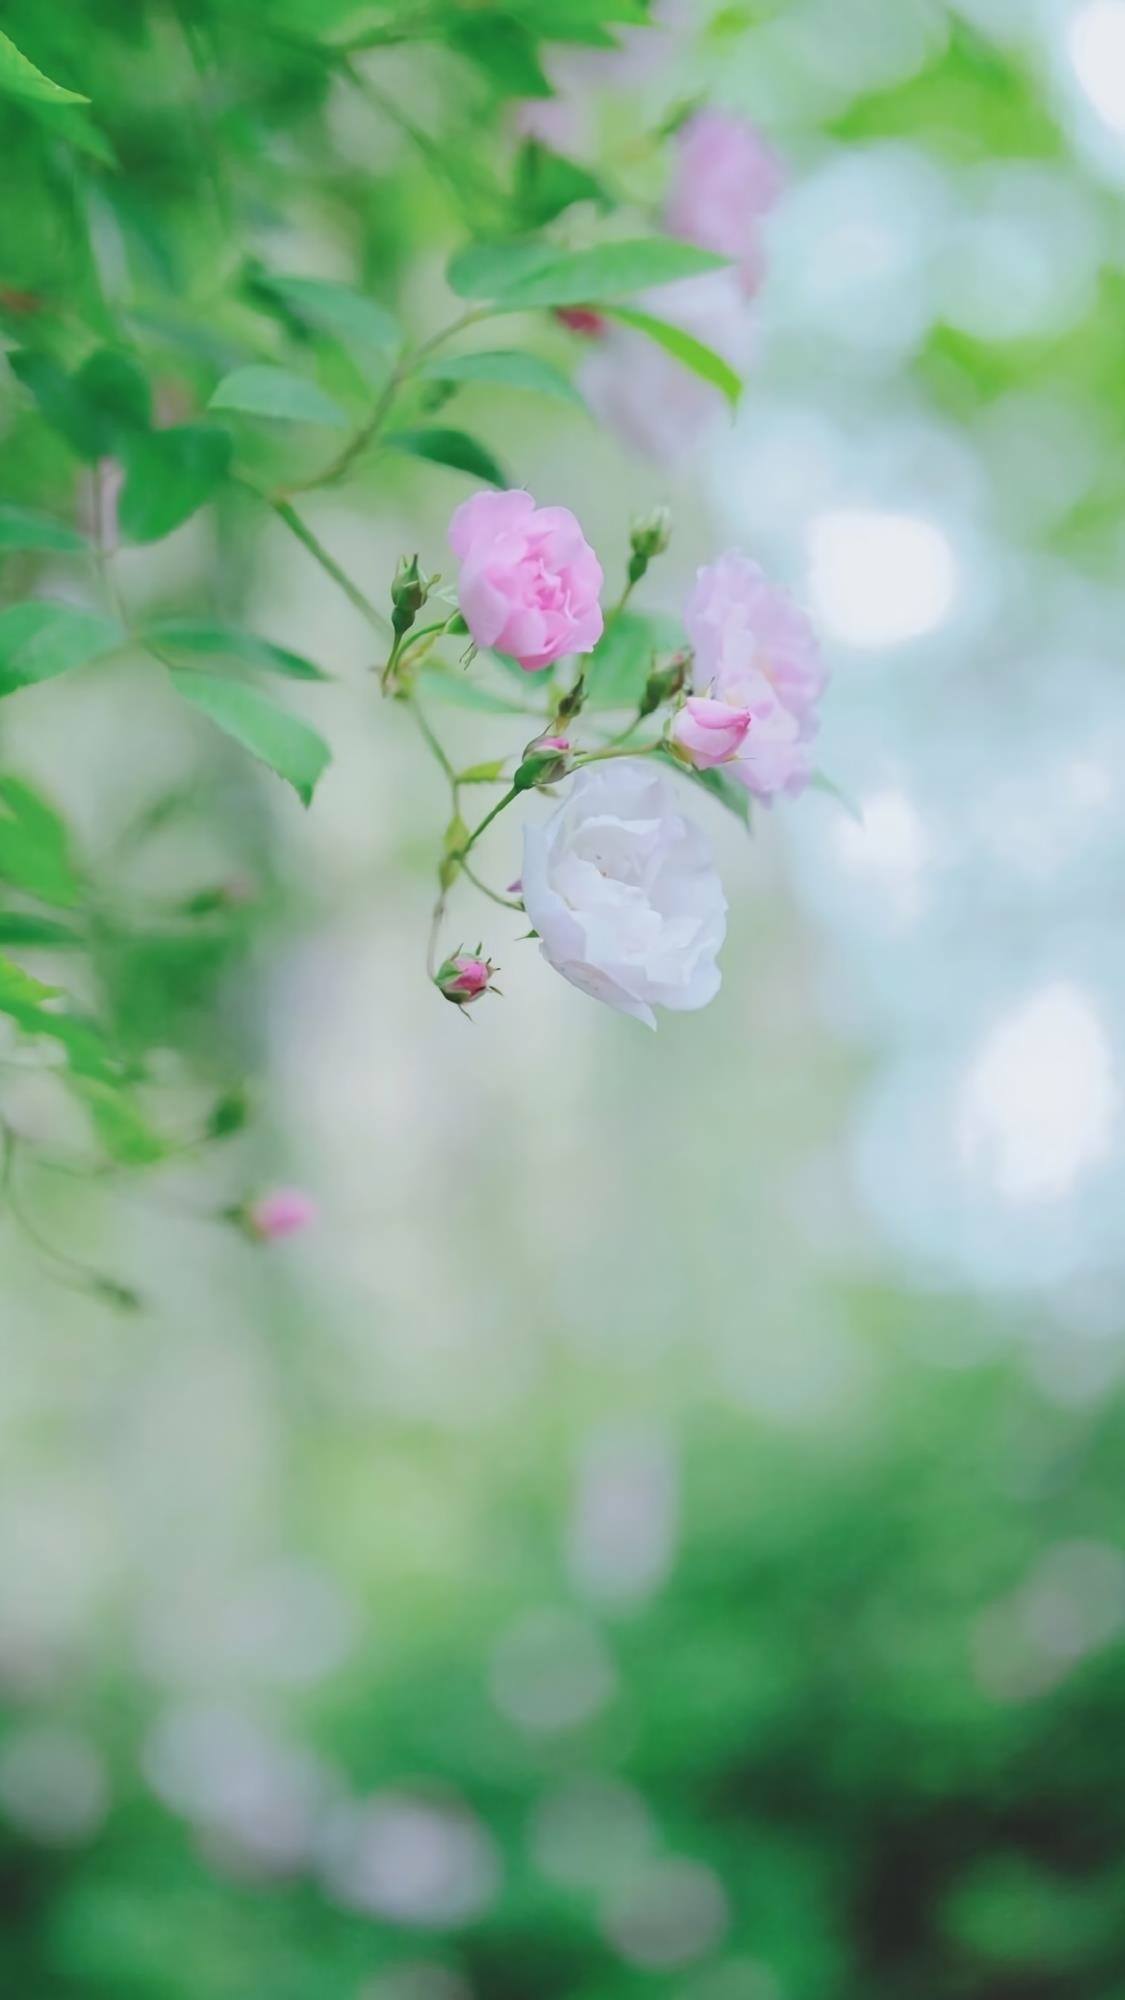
(337, 309)
(483, 270)
(547, 183)
(449, 684)
(504, 49)
(20, 78)
(261, 391)
(703, 361)
(18, 990)
(619, 667)
(727, 790)
(191, 635)
(477, 774)
(452, 448)
(61, 402)
(278, 739)
(123, 1131)
(168, 476)
(35, 847)
(582, 277)
(117, 393)
(509, 368)
(21, 528)
(40, 640)
(21, 927)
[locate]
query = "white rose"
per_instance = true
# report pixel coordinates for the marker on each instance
(624, 893)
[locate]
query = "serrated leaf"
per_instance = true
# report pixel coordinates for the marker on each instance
(35, 847)
(39, 640)
(169, 475)
(508, 368)
(192, 635)
(453, 448)
(683, 347)
(263, 391)
(20, 78)
(619, 666)
(337, 309)
(288, 746)
(22, 528)
(22, 927)
(586, 277)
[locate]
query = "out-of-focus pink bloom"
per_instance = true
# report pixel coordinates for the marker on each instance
(756, 649)
(727, 179)
(583, 320)
(741, 625)
(280, 1213)
(464, 977)
(708, 732)
(652, 401)
(530, 582)
(561, 122)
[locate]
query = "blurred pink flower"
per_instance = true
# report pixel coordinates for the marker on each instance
(280, 1213)
(727, 178)
(708, 732)
(651, 400)
(756, 649)
(530, 582)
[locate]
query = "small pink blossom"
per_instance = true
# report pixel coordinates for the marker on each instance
(756, 649)
(530, 582)
(464, 977)
(708, 732)
(280, 1213)
(727, 179)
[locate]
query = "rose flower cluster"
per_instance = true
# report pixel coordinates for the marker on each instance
(619, 883)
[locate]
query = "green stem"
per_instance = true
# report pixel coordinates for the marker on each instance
(501, 804)
(320, 554)
(494, 896)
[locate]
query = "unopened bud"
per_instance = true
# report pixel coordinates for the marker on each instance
(584, 320)
(409, 592)
(648, 539)
(280, 1213)
(546, 759)
(665, 683)
(465, 977)
(570, 704)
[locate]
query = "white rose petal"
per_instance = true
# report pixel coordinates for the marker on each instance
(624, 893)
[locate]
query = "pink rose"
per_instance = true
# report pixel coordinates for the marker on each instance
(707, 732)
(530, 582)
(283, 1212)
(727, 178)
(755, 649)
(741, 625)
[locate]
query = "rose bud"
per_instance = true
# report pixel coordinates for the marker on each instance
(280, 1213)
(465, 977)
(648, 539)
(409, 592)
(583, 320)
(546, 759)
(665, 683)
(706, 733)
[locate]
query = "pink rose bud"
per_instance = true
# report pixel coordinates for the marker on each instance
(545, 760)
(530, 582)
(584, 320)
(727, 179)
(706, 733)
(464, 977)
(280, 1213)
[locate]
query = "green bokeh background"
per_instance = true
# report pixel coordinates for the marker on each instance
(711, 1602)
